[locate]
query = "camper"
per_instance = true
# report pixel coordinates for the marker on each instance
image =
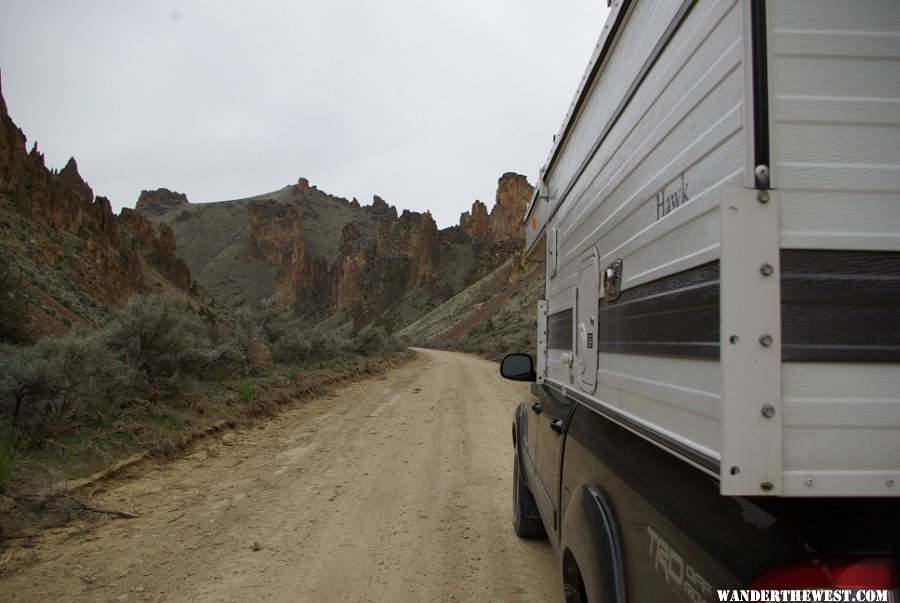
(715, 398)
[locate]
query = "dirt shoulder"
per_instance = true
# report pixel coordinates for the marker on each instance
(395, 488)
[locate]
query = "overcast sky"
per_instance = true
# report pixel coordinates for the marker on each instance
(424, 103)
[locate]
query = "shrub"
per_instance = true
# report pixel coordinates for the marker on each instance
(373, 340)
(274, 321)
(61, 383)
(328, 346)
(160, 339)
(488, 325)
(217, 373)
(12, 307)
(306, 347)
(368, 340)
(58, 382)
(246, 336)
(294, 347)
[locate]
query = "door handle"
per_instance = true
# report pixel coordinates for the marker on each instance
(537, 408)
(558, 425)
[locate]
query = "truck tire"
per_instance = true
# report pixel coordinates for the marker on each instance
(526, 517)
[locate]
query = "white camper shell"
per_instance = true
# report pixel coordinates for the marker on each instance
(720, 219)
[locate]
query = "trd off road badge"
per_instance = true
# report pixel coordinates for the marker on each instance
(680, 576)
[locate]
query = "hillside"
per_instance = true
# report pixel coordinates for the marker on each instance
(326, 258)
(200, 317)
(492, 317)
(64, 256)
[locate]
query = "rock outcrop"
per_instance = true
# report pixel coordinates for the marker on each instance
(330, 256)
(160, 201)
(500, 234)
(276, 237)
(475, 224)
(75, 247)
(381, 210)
(370, 277)
(513, 196)
(349, 271)
(410, 239)
(505, 219)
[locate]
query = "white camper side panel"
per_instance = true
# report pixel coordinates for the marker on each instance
(650, 196)
(841, 429)
(651, 191)
(606, 92)
(835, 82)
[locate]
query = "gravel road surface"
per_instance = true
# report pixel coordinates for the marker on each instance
(392, 489)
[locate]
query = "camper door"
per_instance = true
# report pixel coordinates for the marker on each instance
(587, 297)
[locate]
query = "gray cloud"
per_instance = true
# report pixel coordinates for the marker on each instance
(423, 103)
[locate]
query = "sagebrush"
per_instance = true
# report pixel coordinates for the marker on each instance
(149, 353)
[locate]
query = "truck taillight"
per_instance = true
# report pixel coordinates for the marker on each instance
(854, 573)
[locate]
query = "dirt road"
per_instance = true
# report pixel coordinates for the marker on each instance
(394, 489)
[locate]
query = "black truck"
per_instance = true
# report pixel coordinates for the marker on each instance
(631, 522)
(715, 393)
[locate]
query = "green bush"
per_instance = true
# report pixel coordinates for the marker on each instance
(57, 383)
(368, 340)
(328, 346)
(61, 383)
(246, 335)
(274, 321)
(247, 391)
(160, 339)
(374, 340)
(294, 347)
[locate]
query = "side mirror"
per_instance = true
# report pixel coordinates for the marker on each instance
(518, 367)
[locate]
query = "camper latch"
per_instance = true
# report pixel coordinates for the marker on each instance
(612, 281)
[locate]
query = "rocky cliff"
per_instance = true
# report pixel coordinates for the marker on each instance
(322, 256)
(325, 256)
(277, 238)
(505, 219)
(513, 195)
(67, 246)
(370, 277)
(160, 201)
(499, 234)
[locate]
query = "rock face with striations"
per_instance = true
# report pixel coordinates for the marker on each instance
(277, 238)
(505, 220)
(325, 256)
(475, 224)
(74, 249)
(368, 277)
(500, 234)
(513, 196)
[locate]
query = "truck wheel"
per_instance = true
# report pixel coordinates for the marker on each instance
(526, 517)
